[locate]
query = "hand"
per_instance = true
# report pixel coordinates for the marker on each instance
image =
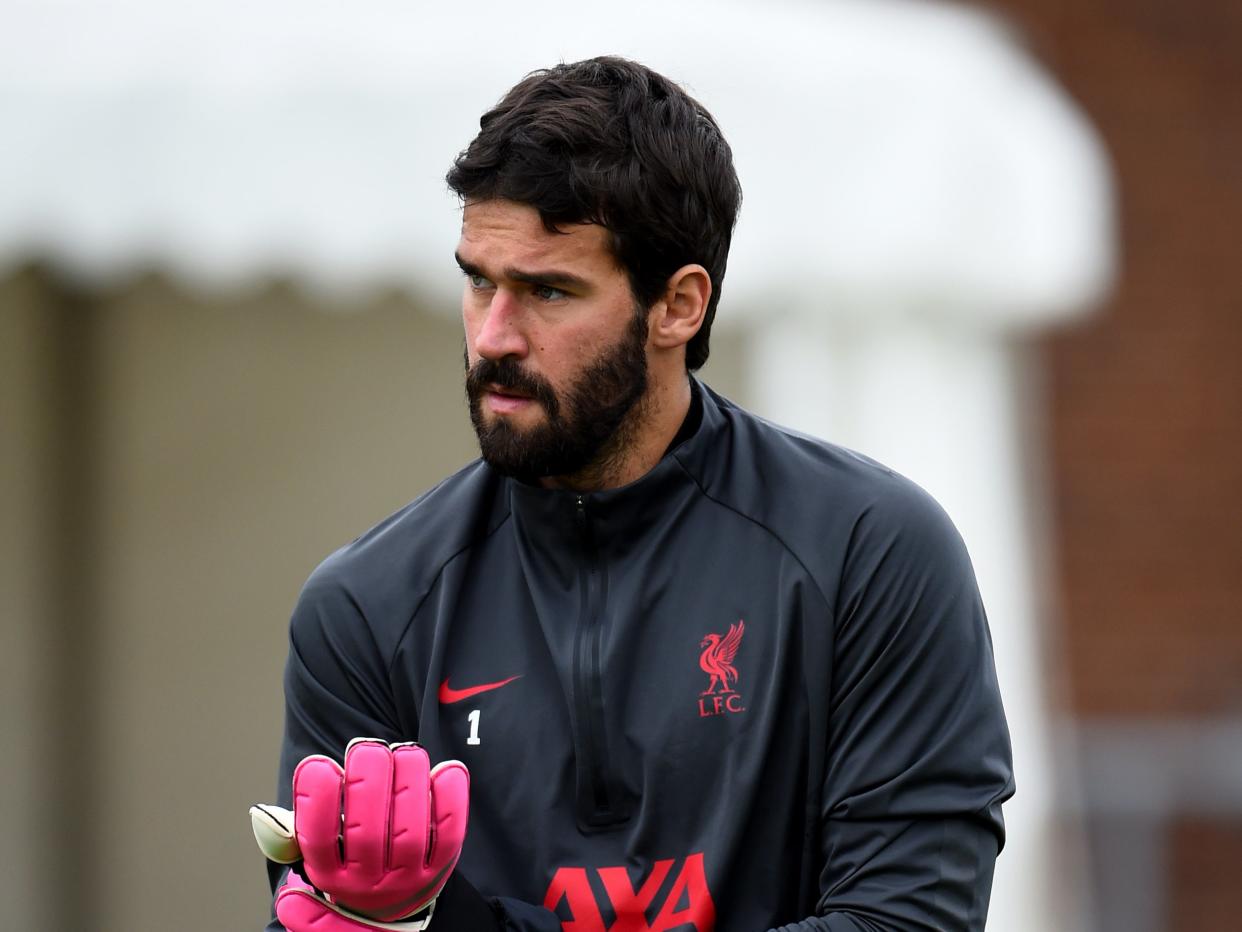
(379, 837)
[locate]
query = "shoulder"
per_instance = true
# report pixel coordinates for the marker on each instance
(382, 576)
(838, 511)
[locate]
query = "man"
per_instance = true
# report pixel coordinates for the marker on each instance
(700, 672)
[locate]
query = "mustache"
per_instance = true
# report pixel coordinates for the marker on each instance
(508, 374)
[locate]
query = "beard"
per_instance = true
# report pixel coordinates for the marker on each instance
(586, 427)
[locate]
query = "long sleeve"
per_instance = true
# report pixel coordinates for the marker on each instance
(336, 689)
(333, 680)
(919, 750)
(929, 875)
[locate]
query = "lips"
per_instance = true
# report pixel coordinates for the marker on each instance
(504, 392)
(504, 387)
(505, 402)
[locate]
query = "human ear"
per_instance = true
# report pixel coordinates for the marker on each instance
(678, 315)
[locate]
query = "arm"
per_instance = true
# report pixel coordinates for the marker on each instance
(337, 689)
(919, 759)
(332, 682)
(932, 876)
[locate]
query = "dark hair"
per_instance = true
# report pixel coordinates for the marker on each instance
(609, 141)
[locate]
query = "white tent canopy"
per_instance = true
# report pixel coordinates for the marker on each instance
(889, 151)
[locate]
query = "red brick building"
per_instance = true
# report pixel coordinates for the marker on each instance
(1146, 435)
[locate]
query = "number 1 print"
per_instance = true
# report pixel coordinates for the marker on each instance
(473, 718)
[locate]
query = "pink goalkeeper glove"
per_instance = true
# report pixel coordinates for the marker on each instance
(379, 837)
(300, 908)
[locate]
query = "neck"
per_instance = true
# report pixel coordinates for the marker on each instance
(639, 443)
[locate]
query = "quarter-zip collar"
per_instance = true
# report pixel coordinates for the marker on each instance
(570, 546)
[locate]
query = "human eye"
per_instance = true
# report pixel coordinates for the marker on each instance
(476, 281)
(548, 293)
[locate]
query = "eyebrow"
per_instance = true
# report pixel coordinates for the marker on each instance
(553, 278)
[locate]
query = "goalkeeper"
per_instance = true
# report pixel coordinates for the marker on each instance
(651, 663)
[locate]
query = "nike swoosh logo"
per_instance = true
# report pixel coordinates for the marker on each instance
(448, 694)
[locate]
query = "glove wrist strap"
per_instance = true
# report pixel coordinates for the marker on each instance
(415, 923)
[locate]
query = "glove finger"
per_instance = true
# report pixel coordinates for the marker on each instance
(411, 808)
(302, 911)
(450, 807)
(317, 787)
(368, 804)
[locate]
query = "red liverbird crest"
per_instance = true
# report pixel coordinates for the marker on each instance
(717, 658)
(716, 661)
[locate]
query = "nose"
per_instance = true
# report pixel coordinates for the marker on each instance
(500, 330)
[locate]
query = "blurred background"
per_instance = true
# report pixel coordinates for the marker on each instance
(991, 245)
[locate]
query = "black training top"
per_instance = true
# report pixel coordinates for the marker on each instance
(754, 688)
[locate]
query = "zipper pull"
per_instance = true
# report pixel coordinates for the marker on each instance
(581, 515)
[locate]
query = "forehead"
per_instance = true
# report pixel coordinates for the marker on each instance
(501, 232)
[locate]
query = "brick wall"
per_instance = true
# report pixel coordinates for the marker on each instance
(1147, 397)
(1204, 859)
(1146, 419)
